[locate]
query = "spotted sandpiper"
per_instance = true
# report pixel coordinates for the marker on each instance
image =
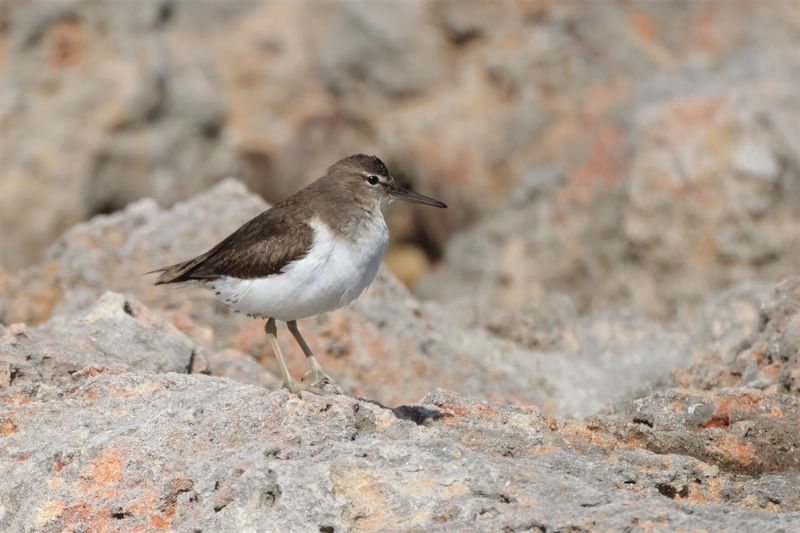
(314, 252)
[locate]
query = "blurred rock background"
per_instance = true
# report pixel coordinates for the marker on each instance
(627, 154)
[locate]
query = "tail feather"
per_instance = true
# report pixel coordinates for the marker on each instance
(171, 274)
(179, 272)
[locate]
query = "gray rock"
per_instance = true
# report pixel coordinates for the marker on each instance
(370, 50)
(99, 100)
(662, 231)
(739, 430)
(759, 345)
(732, 317)
(585, 362)
(198, 452)
(115, 335)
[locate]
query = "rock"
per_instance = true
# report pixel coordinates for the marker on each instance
(123, 121)
(114, 335)
(133, 451)
(715, 214)
(586, 362)
(235, 365)
(115, 252)
(4, 278)
(379, 50)
(467, 21)
(707, 201)
(733, 316)
(539, 324)
(739, 430)
(766, 354)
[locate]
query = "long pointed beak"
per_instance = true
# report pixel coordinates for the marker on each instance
(413, 197)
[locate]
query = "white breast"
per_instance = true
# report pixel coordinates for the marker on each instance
(331, 275)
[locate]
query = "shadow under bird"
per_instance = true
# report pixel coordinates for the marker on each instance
(312, 253)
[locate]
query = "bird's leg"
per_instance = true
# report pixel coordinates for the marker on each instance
(272, 335)
(320, 376)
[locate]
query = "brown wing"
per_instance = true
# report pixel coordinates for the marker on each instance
(261, 247)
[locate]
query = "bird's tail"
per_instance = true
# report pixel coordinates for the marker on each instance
(176, 273)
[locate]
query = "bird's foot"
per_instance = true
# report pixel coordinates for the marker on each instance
(322, 378)
(296, 388)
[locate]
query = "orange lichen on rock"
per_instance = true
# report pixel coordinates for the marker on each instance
(734, 448)
(102, 471)
(7, 426)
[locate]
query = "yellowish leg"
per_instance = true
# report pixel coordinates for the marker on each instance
(272, 335)
(320, 376)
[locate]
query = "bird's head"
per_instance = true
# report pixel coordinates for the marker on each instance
(365, 176)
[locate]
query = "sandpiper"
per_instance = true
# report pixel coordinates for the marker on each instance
(312, 253)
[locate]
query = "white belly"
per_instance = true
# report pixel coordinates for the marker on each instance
(330, 276)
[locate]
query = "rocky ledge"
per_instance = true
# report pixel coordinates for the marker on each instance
(121, 451)
(145, 408)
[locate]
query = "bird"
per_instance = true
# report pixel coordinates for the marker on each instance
(314, 252)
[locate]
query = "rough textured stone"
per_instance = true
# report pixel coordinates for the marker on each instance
(114, 334)
(767, 354)
(739, 430)
(102, 106)
(382, 50)
(696, 192)
(115, 251)
(119, 452)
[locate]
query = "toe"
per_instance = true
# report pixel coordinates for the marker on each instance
(297, 388)
(327, 380)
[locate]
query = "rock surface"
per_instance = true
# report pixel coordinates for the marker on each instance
(767, 358)
(124, 451)
(707, 200)
(91, 340)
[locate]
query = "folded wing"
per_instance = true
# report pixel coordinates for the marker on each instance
(261, 247)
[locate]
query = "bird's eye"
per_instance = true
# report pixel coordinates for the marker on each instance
(373, 180)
